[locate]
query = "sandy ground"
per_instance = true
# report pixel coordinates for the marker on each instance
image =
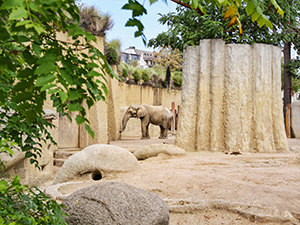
(217, 188)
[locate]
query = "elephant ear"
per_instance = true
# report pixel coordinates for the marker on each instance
(141, 112)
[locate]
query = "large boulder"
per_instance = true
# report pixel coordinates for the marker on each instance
(156, 149)
(96, 159)
(115, 203)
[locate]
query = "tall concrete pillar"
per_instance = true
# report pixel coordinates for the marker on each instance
(231, 99)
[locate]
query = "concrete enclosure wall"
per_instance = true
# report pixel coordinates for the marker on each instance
(231, 98)
(122, 95)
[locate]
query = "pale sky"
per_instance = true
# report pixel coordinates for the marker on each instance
(120, 16)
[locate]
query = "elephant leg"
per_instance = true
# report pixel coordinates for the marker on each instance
(161, 136)
(145, 132)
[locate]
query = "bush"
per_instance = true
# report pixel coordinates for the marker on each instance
(136, 75)
(20, 204)
(111, 55)
(125, 72)
(177, 78)
(145, 76)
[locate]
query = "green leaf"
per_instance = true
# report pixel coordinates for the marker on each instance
(37, 49)
(74, 95)
(89, 130)
(136, 7)
(279, 10)
(38, 28)
(74, 30)
(10, 4)
(153, 1)
(74, 107)
(45, 68)
(135, 22)
(63, 96)
(3, 185)
(194, 4)
(80, 119)
(43, 80)
(4, 33)
(18, 13)
(48, 86)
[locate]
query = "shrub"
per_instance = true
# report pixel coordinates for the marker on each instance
(125, 72)
(136, 75)
(111, 55)
(177, 78)
(145, 76)
(20, 204)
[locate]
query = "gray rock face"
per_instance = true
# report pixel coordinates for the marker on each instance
(115, 203)
(98, 157)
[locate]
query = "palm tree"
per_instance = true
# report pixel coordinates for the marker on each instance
(94, 21)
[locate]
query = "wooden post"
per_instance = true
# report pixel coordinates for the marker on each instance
(177, 117)
(287, 88)
(288, 121)
(173, 110)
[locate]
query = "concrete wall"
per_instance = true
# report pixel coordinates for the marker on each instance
(295, 118)
(122, 95)
(231, 98)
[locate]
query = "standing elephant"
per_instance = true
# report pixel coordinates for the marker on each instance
(157, 115)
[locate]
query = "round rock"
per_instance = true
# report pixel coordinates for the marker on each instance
(96, 159)
(115, 203)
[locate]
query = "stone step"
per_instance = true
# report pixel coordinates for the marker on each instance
(65, 153)
(60, 155)
(58, 162)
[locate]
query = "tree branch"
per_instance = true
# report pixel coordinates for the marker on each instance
(187, 6)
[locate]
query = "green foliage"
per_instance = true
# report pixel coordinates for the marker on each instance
(111, 55)
(116, 44)
(145, 75)
(232, 10)
(177, 78)
(20, 204)
(136, 75)
(35, 63)
(125, 72)
(133, 63)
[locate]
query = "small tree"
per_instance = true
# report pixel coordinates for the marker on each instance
(35, 64)
(168, 57)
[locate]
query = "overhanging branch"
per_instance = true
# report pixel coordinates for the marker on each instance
(187, 6)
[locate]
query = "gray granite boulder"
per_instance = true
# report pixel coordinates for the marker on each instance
(114, 203)
(99, 157)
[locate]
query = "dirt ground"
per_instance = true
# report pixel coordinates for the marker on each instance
(217, 188)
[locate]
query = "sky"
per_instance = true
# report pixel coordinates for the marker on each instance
(120, 16)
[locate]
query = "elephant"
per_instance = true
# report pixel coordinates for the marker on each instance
(157, 115)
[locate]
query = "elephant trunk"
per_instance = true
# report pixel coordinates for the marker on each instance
(125, 119)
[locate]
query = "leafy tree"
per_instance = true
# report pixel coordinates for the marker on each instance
(35, 64)
(232, 9)
(113, 52)
(168, 57)
(27, 205)
(111, 55)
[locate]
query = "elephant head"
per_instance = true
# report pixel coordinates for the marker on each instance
(135, 111)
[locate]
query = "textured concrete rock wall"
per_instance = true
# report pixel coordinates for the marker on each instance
(231, 98)
(295, 108)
